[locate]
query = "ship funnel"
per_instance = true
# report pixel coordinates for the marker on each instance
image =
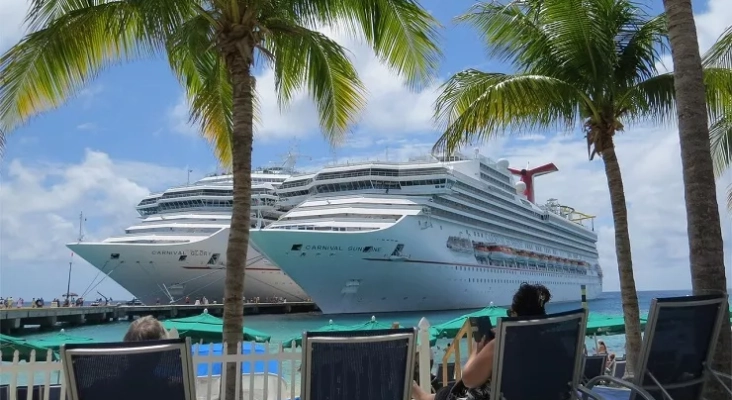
(527, 177)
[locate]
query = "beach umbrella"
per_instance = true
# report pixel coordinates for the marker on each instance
(206, 327)
(55, 342)
(331, 327)
(450, 328)
(9, 344)
(369, 325)
(260, 367)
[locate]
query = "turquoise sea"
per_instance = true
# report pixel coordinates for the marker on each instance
(284, 327)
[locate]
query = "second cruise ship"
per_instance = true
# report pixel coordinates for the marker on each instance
(179, 248)
(434, 234)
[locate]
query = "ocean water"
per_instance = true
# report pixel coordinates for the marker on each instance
(285, 327)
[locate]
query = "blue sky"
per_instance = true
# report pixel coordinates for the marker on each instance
(126, 134)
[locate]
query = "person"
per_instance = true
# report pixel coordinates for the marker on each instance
(529, 300)
(601, 349)
(157, 385)
(145, 328)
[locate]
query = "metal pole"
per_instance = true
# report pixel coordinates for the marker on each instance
(583, 288)
(68, 285)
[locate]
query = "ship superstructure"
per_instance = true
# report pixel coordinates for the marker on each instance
(178, 250)
(432, 234)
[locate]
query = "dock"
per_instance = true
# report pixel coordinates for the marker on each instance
(13, 320)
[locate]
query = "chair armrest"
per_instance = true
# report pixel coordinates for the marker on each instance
(588, 393)
(620, 382)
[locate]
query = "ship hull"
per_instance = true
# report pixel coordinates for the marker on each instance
(364, 272)
(159, 272)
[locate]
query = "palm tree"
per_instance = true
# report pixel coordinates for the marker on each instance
(720, 56)
(587, 63)
(212, 47)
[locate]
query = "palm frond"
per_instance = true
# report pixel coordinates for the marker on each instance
(306, 57)
(52, 64)
(720, 136)
(652, 99)
(729, 198)
(720, 54)
(202, 72)
(718, 84)
(641, 47)
(402, 33)
(477, 105)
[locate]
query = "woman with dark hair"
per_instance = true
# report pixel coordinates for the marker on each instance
(475, 383)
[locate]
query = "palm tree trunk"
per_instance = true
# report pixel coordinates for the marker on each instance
(236, 252)
(623, 254)
(706, 247)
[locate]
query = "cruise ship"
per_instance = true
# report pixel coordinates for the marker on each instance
(179, 248)
(440, 233)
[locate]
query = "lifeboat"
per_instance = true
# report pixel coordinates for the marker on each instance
(499, 253)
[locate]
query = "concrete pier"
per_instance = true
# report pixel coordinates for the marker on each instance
(13, 320)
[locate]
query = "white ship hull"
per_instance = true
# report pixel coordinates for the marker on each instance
(356, 272)
(154, 272)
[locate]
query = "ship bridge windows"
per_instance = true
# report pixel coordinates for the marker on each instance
(296, 183)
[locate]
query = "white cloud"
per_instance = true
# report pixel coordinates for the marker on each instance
(87, 126)
(178, 118)
(39, 214)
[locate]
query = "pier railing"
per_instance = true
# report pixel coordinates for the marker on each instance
(259, 380)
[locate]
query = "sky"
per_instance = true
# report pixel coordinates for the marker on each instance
(126, 134)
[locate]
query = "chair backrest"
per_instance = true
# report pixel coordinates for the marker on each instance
(546, 350)
(111, 371)
(358, 365)
(619, 369)
(678, 345)
(594, 366)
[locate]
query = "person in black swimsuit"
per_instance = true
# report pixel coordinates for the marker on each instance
(529, 300)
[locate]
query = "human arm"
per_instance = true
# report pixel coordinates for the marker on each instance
(479, 367)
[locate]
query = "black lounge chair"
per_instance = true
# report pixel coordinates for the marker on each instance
(619, 369)
(547, 350)
(594, 366)
(437, 383)
(118, 371)
(677, 350)
(358, 365)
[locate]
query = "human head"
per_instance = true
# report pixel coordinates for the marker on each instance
(601, 346)
(530, 300)
(145, 328)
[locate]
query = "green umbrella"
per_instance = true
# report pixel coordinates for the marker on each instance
(331, 327)
(599, 324)
(372, 324)
(450, 328)
(56, 341)
(9, 344)
(206, 327)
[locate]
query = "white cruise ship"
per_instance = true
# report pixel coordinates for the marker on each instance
(179, 248)
(431, 234)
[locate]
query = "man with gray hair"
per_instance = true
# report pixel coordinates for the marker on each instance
(145, 328)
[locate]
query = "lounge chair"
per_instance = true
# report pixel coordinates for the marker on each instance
(358, 365)
(593, 366)
(438, 383)
(21, 392)
(677, 350)
(112, 371)
(547, 350)
(619, 369)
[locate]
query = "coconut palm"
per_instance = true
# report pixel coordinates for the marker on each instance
(579, 63)
(212, 47)
(720, 55)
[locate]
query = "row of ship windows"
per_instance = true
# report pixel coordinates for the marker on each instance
(530, 226)
(204, 192)
(518, 282)
(345, 215)
(457, 217)
(509, 272)
(171, 229)
(496, 182)
(577, 230)
(364, 172)
(494, 216)
(363, 185)
(188, 204)
(323, 228)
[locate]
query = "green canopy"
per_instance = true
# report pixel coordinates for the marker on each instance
(599, 324)
(372, 324)
(450, 328)
(56, 341)
(206, 327)
(9, 344)
(331, 327)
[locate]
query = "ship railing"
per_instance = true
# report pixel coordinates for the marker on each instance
(276, 369)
